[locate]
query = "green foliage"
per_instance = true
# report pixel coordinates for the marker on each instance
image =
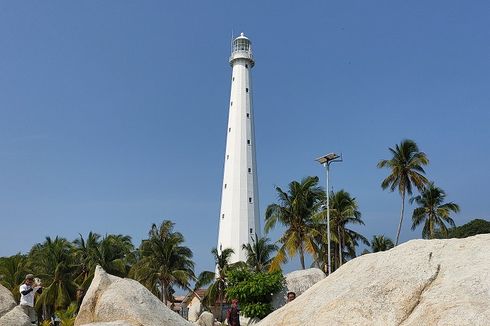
(381, 243)
(253, 290)
(406, 171)
(474, 227)
(67, 317)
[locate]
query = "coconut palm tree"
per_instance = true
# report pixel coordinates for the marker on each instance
(164, 261)
(381, 243)
(344, 210)
(13, 269)
(433, 212)
(52, 262)
(259, 253)
(406, 171)
(294, 211)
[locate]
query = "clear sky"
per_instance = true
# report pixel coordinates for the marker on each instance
(113, 113)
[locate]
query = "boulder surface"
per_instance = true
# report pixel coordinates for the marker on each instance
(15, 317)
(123, 302)
(297, 282)
(421, 282)
(7, 301)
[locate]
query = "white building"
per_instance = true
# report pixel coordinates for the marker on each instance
(239, 215)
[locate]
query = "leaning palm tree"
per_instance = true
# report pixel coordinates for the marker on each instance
(217, 279)
(164, 262)
(406, 171)
(433, 212)
(259, 253)
(381, 243)
(295, 211)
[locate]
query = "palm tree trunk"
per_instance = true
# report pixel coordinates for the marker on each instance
(340, 246)
(401, 218)
(302, 256)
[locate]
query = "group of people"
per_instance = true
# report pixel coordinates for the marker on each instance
(233, 314)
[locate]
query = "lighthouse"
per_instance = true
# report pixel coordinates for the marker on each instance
(239, 214)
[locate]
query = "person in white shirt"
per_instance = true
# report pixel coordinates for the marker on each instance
(27, 291)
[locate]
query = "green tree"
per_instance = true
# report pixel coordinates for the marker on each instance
(406, 171)
(259, 253)
(52, 261)
(474, 227)
(13, 270)
(294, 211)
(381, 243)
(253, 290)
(164, 261)
(432, 212)
(218, 279)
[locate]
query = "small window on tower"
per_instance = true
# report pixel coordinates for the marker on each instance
(231, 103)
(248, 115)
(249, 199)
(251, 231)
(227, 156)
(248, 141)
(246, 66)
(229, 129)
(222, 215)
(249, 170)
(225, 185)
(233, 79)
(246, 89)
(220, 247)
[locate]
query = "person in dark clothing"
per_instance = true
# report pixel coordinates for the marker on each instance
(233, 314)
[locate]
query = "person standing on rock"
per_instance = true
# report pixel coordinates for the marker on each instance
(233, 314)
(27, 291)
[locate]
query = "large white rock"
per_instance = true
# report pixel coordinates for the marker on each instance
(205, 319)
(297, 282)
(15, 317)
(421, 282)
(7, 301)
(113, 299)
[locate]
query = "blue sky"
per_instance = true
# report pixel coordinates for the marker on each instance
(113, 113)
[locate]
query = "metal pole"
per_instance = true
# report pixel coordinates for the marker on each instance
(327, 166)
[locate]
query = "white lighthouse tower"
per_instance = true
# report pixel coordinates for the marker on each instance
(239, 215)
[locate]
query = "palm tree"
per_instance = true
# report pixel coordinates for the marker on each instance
(406, 171)
(216, 291)
(12, 272)
(52, 262)
(84, 252)
(295, 210)
(164, 261)
(343, 211)
(259, 253)
(432, 212)
(381, 243)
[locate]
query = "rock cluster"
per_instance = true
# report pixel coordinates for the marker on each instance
(421, 282)
(115, 301)
(297, 282)
(10, 315)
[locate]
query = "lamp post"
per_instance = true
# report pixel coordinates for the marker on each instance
(325, 160)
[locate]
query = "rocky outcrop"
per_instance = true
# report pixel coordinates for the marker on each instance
(297, 282)
(205, 319)
(123, 302)
(15, 317)
(10, 315)
(7, 301)
(421, 282)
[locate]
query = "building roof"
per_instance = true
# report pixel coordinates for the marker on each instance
(199, 292)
